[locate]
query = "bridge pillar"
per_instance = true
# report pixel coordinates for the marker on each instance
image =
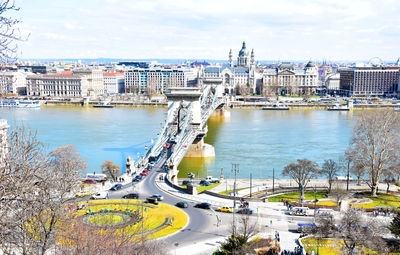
(173, 175)
(187, 95)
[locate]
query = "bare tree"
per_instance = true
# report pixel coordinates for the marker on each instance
(34, 187)
(9, 33)
(355, 231)
(302, 172)
(330, 169)
(111, 170)
(376, 143)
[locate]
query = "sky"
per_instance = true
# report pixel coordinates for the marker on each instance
(206, 29)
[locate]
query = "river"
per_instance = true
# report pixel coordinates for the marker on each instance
(257, 140)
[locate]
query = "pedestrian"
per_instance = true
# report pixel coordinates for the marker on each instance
(107, 195)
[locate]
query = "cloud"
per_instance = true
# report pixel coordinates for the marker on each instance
(287, 29)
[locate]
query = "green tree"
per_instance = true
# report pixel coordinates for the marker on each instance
(111, 170)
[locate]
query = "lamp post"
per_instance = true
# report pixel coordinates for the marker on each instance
(315, 201)
(235, 170)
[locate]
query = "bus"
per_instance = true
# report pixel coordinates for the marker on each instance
(96, 177)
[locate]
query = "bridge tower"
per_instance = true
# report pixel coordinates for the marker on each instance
(184, 97)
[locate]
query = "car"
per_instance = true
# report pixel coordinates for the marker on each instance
(205, 183)
(116, 186)
(152, 200)
(145, 172)
(137, 178)
(89, 181)
(245, 211)
(158, 197)
(224, 209)
(84, 193)
(131, 195)
(182, 204)
(186, 182)
(203, 205)
(172, 140)
(167, 145)
(100, 195)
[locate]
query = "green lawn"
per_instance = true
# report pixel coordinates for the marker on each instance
(382, 199)
(203, 188)
(295, 196)
(230, 191)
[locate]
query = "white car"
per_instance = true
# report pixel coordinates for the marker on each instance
(100, 195)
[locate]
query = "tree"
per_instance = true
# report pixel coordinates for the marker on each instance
(9, 33)
(330, 169)
(376, 143)
(355, 231)
(111, 170)
(395, 225)
(359, 170)
(35, 186)
(302, 172)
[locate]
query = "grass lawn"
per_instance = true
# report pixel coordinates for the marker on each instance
(203, 188)
(230, 191)
(383, 199)
(153, 217)
(295, 196)
(327, 203)
(109, 219)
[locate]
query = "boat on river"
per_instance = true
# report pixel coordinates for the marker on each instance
(105, 104)
(277, 107)
(338, 107)
(19, 103)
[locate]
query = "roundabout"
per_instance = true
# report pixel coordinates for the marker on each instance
(129, 218)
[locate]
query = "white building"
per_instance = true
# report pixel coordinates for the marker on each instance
(95, 81)
(157, 80)
(57, 85)
(113, 83)
(233, 77)
(332, 82)
(13, 82)
(287, 80)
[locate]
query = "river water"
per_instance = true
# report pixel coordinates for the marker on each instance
(257, 140)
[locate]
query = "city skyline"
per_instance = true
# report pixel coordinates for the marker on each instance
(289, 30)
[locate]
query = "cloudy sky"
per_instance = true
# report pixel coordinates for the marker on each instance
(207, 29)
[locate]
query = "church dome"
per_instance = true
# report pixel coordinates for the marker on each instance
(243, 51)
(310, 64)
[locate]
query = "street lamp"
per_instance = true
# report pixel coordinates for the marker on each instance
(315, 201)
(235, 170)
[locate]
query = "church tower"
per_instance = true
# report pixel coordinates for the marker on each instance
(252, 62)
(230, 58)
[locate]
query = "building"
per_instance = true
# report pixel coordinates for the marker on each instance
(13, 83)
(157, 80)
(286, 79)
(64, 85)
(95, 80)
(3, 141)
(332, 83)
(113, 83)
(240, 78)
(134, 64)
(373, 81)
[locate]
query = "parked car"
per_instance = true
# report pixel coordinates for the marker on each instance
(137, 178)
(152, 200)
(186, 182)
(203, 205)
(116, 186)
(224, 209)
(84, 193)
(100, 195)
(158, 197)
(89, 181)
(167, 145)
(182, 204)
(131, 196)
(145, 172)
(245, 211)
(205, 183)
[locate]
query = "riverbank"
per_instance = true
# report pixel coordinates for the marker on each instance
(231, 104)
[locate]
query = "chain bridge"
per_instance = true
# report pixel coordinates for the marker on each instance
(185, 124)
